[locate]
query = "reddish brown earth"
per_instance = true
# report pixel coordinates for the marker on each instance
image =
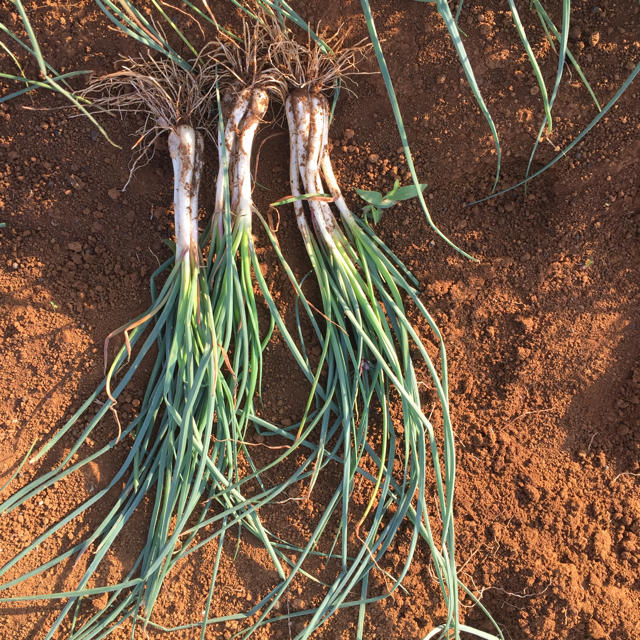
(542, 333)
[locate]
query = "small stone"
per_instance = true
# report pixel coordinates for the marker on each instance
(99, 601)
(485, 30)
(527, 323)
(595, 630)
(532, 493)
(75, 182)
(374, 158)
(74, 246)
(535, 90)
(602, 544)
(594, 38)
(114, 194)
(349, 133)
(630, 544)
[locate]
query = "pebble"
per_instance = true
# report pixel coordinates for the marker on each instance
(99, 601)
(602, 544)
(535, 90)
(349, 133)
(523, 353)
(596, 630)
(76, 182)
(74, 246)
(374, 158)
(114, 194)
(527, 323)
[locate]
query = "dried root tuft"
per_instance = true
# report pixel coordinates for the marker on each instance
(247, 64)
(313, 66)
(160, 91)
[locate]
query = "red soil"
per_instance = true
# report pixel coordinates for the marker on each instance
(542, 333)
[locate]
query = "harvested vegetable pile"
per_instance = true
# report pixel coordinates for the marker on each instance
(194, 469)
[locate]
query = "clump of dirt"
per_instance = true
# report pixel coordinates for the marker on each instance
(542, 333)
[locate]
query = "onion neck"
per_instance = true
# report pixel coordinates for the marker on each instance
(296, 164)
(311, 123)
(327, 167)
(185, 147)
(242, 202)
(227, 149)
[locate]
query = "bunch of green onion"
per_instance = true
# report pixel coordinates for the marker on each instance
(190, 437)
(368, 348)
(184, 439)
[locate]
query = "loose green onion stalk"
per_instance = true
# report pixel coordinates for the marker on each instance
(49, 78)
